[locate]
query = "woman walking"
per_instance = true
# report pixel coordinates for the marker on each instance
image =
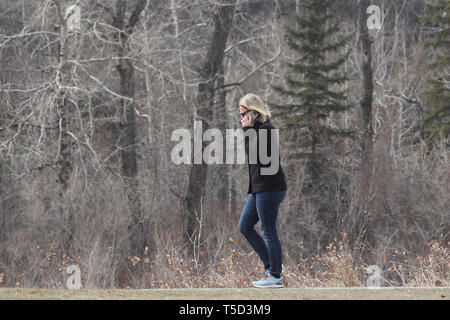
(266, 192)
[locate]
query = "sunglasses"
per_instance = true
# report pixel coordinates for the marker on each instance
(244, 113)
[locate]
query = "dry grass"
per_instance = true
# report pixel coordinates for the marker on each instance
(337, 266)
(230, 294)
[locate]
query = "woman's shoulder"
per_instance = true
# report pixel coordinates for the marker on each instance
(267, 125)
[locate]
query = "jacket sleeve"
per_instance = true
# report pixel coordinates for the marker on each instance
(268, 136)
(246, 140)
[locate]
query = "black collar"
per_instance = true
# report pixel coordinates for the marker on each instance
(259, 124)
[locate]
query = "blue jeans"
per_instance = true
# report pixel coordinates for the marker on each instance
(263, 206)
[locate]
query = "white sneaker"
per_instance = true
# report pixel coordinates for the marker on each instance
(269, 281)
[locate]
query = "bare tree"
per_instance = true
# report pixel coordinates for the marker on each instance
(366, 102)
(64, 109)
(204, 110)
(127, 140)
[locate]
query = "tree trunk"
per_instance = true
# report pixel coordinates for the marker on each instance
(65, 159)
(127, 136)
(366, 102)
(367, 133)
(222, 172)
(192, 203)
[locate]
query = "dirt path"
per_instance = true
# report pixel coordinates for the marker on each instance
(442, 293)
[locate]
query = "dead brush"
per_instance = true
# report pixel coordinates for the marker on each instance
(340, 267)
(335, 267)
(430, 270)
(236, 266)
(236, 269)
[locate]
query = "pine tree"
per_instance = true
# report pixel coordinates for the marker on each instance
(437, 120)
(314, 84)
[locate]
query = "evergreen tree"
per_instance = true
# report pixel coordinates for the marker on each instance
(314, 84)
(437, 120)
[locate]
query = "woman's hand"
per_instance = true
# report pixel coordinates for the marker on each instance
(247, 121)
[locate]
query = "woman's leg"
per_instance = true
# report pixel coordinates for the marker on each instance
(267, 204)
(249, 218)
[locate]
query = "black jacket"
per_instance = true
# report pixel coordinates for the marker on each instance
(258, 182)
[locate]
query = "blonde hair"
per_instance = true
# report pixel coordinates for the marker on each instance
(253, 102)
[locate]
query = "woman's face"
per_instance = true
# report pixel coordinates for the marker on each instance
(242, 110)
